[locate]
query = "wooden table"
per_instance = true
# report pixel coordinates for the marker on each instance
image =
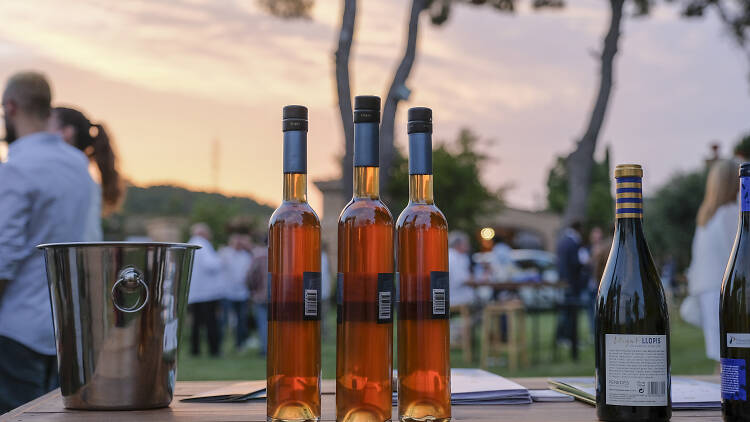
(49, 408)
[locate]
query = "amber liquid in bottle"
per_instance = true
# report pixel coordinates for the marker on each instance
(293, 364)
(423, 330)
(364, 333)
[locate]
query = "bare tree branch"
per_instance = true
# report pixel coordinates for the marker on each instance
(398, 92)
(581, 161)
(343, 91)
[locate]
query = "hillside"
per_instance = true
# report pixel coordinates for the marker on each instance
(165, 213)
(163, 200)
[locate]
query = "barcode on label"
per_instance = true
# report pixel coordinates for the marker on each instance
(438, 301)
(657, 388)
(311, 303)
(384, 305)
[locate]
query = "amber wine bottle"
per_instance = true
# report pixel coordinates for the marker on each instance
(424, 387)
(293, 363)
(734, 315)
(632, 322)
(365, 290)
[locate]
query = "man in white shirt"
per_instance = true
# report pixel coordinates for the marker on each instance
(236, 261)
(45, 192)
(206, 291)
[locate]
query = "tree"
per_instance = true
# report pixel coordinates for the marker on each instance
(459, 191)
(599, 212)
(344, 93)
(398, 92)
(439, 11)
(669, 217)
(734, 14)
(581, 161)
(288, 9)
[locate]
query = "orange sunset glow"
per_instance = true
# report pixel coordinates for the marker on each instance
(170, 77)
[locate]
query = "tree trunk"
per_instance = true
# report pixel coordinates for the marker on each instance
(343, 90)
(397, 92)
(581, 161)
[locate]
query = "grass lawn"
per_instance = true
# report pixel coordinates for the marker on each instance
(688, 355)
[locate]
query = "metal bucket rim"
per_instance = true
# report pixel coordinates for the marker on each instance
(118, 245)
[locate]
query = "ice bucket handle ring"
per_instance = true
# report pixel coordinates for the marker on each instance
(129, 279)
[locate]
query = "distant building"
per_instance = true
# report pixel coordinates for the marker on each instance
(526, 229)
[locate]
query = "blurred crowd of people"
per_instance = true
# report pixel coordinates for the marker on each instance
(229, 290)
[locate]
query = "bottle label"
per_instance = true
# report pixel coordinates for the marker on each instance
(385, 298)
(311, 282)
(738, 340)
(636, 370)
(440, 294)
(745, 193)
(733, 379)
(377, 305)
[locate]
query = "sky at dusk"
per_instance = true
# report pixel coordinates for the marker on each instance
(170, 78)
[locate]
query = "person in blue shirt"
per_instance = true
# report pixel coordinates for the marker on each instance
(45, 195)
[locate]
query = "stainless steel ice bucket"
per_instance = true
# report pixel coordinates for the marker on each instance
(117, 314)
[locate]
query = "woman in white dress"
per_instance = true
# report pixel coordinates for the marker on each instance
(77, 130)
(712, 244)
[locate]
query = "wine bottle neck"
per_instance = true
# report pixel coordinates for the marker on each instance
(420, 189)
(632, 226)
(295, 187)
(367, 182)
(629, 199)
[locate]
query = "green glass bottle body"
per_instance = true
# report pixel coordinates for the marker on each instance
(734, 316)
(632, 319)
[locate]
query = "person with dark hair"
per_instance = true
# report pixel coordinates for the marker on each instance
(206, 291)
(571, 270)
(45, 194)
(236, 261)
(257, 281)
(92, 138)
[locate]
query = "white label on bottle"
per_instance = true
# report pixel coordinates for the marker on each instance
(636, 369)
(741, 340)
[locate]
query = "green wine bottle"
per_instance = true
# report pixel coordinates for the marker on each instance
(632, 321)
(734, 315)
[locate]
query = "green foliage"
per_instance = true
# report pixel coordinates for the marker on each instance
(165, 200)
(288, 9)
(742, 149)
(669, 217)
(459, 191)
(599, 208)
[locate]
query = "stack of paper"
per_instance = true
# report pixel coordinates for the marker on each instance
(475, 386)
(686, 393)
(234, 393)
(550, 396)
